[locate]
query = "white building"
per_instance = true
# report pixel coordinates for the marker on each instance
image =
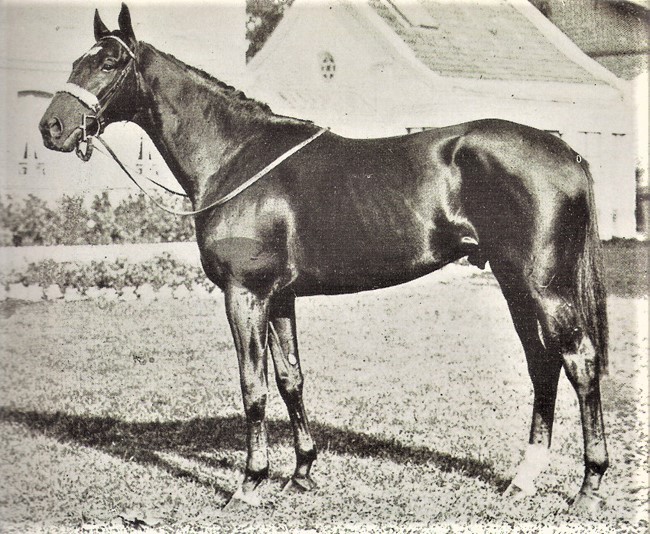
(385, 67)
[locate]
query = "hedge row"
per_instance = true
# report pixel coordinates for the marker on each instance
(135, 219)
(117, 274)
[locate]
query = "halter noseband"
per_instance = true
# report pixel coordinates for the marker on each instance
(91, 101)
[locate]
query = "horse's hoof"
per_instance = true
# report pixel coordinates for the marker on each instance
(515, 494)
(299, 485)
(587, 505)
(243, 500)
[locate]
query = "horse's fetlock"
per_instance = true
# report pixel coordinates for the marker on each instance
(256, 409)
(256, 475)
(306, 456)
(597, 466)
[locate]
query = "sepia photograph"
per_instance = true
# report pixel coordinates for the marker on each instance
(324, 266)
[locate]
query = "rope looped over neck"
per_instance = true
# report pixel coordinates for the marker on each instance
(221, 201)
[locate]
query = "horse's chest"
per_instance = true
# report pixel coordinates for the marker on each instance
(242, 248)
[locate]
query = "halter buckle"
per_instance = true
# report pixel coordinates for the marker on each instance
(85, 136)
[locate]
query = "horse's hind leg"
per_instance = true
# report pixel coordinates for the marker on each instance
(564, 330)
(565, 343)
(544, 367)
(284, 349)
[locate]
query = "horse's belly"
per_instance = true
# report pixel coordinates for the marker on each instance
(335, 266)
(336, 283)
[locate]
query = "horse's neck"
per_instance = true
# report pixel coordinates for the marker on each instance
(194, 122)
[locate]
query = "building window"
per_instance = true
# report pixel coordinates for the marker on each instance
(416, 129)
(327, 65)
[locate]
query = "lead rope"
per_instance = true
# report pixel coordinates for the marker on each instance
(148, 178)
(225, 198)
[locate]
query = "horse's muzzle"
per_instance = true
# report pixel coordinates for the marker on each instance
(69, 143)
(52, 130)
(62, 126)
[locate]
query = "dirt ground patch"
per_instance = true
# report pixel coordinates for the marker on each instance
(418, 395)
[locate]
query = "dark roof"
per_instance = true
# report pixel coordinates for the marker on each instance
(613, 32)
(35, 92)
(488, 40)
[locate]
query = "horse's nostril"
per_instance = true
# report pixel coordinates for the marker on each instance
(56, 127)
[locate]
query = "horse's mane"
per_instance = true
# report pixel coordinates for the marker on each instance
(233, 94)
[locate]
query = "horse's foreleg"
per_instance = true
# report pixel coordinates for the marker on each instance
(284, 349)
(248, 317)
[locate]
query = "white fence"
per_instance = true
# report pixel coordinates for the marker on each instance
(17, 258)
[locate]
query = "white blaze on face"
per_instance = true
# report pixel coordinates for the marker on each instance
(93, 51)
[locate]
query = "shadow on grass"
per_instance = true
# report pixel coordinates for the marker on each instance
(142, 442)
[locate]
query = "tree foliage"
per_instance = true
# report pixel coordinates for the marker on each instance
(262, 18)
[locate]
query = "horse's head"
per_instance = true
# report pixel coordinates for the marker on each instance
(101, 89)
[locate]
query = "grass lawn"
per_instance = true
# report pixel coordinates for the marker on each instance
(127, 413)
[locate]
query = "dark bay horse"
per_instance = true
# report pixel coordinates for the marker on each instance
(345, 215)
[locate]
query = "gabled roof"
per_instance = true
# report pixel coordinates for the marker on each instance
(490, 39)
(614, 33)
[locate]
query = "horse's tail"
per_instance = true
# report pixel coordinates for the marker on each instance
(591, 298)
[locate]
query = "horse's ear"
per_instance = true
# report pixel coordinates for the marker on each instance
(100, 28)
(124, 21)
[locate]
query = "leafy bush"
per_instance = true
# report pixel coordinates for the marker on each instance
(163, 270)
(134, 220)
(31, 223)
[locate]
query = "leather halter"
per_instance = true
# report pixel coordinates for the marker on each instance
(91, 101)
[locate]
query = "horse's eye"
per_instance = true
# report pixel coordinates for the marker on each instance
(108, 65)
